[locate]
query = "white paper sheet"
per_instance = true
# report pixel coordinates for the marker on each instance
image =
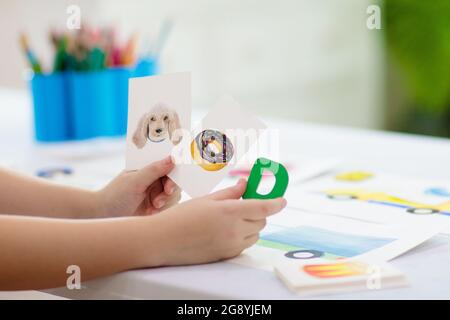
(298, 235)
(382, 198)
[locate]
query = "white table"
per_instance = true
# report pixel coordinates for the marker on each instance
(426, 266)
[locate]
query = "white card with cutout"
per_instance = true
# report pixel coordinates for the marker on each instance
(158, 107)
(222, 138)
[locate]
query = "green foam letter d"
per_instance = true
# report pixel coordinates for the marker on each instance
(281, 179)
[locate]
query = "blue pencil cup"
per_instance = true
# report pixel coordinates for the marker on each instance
(83, 105)
(91, 100)
(121, 77)
(146, 67)
(50, 104)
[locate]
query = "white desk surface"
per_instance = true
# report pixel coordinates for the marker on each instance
(425, 266)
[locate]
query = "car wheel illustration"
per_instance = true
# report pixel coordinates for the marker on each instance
(422, 211)
(341, 197)
(304, 254)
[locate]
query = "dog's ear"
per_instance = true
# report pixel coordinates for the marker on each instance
(174, 126)
(141, 133)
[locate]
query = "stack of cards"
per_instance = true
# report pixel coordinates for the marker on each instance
(159, 117)
(314, 278)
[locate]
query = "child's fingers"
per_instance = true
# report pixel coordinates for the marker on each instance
(172, 200)
(253, 209)
(234, 192)
(151, 210)
(162, 199)
(250, 240)
(169, 185)
(150, 173)
(252, 227)
(156, 190)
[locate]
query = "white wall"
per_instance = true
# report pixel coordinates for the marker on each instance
(304, 59)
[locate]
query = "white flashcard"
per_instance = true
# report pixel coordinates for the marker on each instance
(159, 111)
(327, 277)
(224, 136)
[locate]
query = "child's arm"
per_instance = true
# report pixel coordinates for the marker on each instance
(131, 193)
(20, 194)
(35, 252)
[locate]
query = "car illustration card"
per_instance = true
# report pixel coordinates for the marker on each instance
(299, 235)
(224, 136)
(159, 111)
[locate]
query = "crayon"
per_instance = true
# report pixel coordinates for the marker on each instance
(129, 53)
(32, 60)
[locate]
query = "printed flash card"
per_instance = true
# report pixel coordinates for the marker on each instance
(338, 276)
(159, 112)
(215, 146)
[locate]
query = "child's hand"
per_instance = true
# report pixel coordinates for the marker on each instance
(140, 192)
(211, 228)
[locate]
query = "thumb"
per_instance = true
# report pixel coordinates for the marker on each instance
(150, 173)
(234, 192)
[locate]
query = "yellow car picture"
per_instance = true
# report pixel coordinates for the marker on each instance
(388, 200)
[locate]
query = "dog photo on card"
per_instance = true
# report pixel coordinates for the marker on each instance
(223, 137)
(159, 111)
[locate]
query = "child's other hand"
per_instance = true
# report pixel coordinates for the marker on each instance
(214, 227)
(140, 192)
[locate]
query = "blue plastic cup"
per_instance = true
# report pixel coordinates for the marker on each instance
(120, 90)
(146, 67)
(51, 107)
(83, 105)
(92, 100)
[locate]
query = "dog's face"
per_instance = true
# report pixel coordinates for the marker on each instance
(157, 125)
